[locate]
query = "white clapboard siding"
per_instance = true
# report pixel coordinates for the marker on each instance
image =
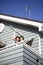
(27, 32)
(19, 55)
(29, 35)
(6, 36)
(11, 55)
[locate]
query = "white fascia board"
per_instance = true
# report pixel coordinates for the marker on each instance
(41, 28)
(21, 21)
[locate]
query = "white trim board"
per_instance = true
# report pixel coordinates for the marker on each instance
(22, 21)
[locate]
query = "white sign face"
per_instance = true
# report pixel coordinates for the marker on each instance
(1, 27)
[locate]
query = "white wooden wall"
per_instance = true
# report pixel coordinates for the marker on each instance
(22, 55)
(27, 32)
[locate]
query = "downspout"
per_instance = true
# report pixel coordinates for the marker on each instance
(39, 45)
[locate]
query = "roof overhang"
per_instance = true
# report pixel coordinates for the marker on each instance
(22, 21)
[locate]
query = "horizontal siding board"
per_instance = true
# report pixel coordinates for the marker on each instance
(10, 57)
(11, 53)
(28, 61)
(18, 63)
(25, 55)
(32, 52)
(14, 55)
(14, 60)
(26, 32)
(10, 49)
(30, 58)
(25, 63)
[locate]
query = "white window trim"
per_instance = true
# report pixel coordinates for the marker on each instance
(1, 27)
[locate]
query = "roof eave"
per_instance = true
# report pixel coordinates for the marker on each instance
(22, 21)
